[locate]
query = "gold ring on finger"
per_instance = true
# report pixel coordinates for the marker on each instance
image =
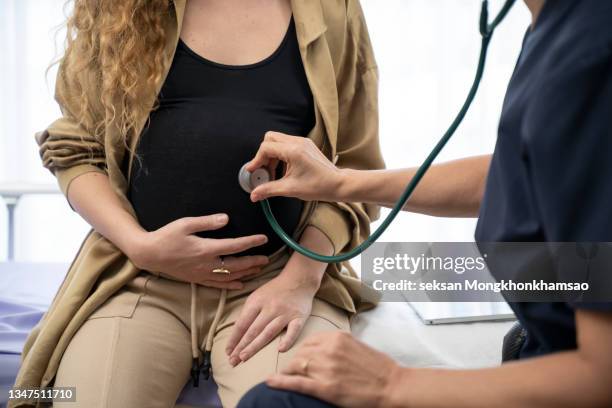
(222, 270)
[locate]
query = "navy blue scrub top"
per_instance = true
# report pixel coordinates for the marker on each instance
(551, 172)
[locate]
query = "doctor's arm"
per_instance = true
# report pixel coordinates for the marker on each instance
(451, 189)
(346, 372)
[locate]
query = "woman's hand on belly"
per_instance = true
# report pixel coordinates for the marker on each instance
(284, 302)
(176, 251)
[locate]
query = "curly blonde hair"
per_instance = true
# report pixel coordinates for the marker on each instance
(118, 47)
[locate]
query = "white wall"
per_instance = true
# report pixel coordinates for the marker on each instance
(47, 230)
(426, 51)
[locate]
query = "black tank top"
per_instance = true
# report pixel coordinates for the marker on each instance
(210, 121)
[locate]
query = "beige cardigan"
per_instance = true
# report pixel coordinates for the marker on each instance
(342, 73)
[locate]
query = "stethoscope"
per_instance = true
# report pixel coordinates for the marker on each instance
(249, 181)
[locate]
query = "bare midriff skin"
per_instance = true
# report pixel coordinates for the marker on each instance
(232, 32)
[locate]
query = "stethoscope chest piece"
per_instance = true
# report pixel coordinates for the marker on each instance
(249, 181)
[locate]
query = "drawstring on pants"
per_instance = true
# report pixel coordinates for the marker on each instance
(206, 366)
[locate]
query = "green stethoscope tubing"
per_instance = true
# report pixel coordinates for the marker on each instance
(486, 32)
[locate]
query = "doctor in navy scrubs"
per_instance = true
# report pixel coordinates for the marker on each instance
(549, 179)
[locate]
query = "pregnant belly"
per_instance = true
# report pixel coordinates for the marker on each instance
(186, 173)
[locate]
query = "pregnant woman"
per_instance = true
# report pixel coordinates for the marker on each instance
(180, 276)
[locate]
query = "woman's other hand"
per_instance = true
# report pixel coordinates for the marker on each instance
(285, 302)
(309, 175)
(280, 303)
(176, 251)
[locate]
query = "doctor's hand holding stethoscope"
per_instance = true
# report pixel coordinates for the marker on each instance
(452, 189)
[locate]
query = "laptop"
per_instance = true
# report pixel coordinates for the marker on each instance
(462, 312)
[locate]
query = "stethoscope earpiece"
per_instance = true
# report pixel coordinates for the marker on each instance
(249, 181)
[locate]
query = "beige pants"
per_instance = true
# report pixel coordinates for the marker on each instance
(135, 349)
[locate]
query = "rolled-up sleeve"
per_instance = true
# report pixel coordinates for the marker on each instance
(348, 224)
(334, 223)
(66, 148)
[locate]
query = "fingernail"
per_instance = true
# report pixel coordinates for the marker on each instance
(221, 218)
(234, 361)
(243, 356)
(265, 239)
